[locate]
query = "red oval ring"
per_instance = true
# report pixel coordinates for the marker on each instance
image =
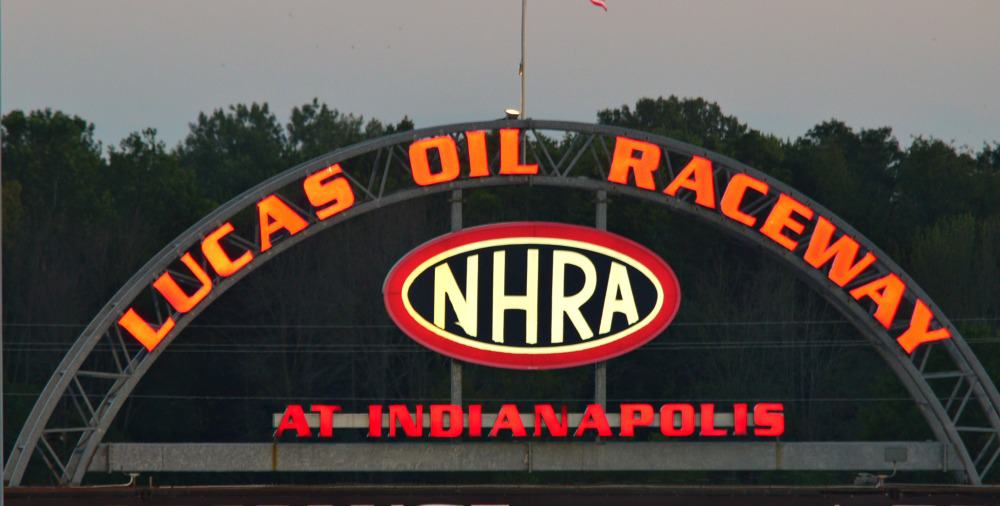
(393, 296)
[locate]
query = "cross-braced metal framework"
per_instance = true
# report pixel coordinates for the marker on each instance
(94, 379)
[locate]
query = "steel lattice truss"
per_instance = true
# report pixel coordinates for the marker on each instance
(103, 366)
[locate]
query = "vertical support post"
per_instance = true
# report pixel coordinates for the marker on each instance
(524, 9)
(456, 366)
(601, 369)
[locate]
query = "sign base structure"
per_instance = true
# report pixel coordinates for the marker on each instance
(511, 495)
(469, 297)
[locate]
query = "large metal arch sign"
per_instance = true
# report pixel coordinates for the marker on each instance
(177, 284)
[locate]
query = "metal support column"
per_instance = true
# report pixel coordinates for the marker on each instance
(601, 370)
(456, 366)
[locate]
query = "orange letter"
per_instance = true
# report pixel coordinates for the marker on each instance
(629, 421)
(843, 252)
(171, 291)
(217, 257)
(326, 412)
(479, 164)
(294, 418)
(697, 177)
(920, 329)
(510, 154)
(625, 161)
(421, 168)
(275, 215)
(142, 331)
(781, 218)
(324, 188)
(887, 292)
(733, 197)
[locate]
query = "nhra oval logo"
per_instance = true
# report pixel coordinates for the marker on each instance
(532, 295)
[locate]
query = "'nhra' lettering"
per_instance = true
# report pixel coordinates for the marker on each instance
(532, 295)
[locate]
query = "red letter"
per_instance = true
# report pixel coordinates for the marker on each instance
(293, 418)
(455, 420)
(733, 197)
(545, 413)
(400, 415)
(708, 422)
(509, 418)
(275, 215)
(624, 162)
(479, 164)
(594, 419)
(374, 420)
(740, 419)
(781, 218)
(667, 427)
(629, 420)
(510, 154)
(475, 420)
(843, 252)
(142, 331)
(887, 292)
(326, 412)
(697, 177)
(324, 187)
(171, 291)
(769, 420)
(920, 331)
(217, 257)
(421, 168)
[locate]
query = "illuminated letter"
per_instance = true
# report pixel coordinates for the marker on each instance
(142, 331)
(294, 418)
(618, 283)
(475, 420)
(769, 419)
(400, 415)
(733, 197)
(594, 419)
(708, 422)
(275, 215)
(446, 289)
(624, 162)
(667, 427)
(527, 302)
(843, 252)
(171, 291)
(326, 412)
(544, 414)
(324, 187)
(455, 422)
(740, 419)
(781, 217)
(629, 420)
(421, 168)
(374, 420)
(920, 331)
(508, 418)
(570, 305)
(697, 177)
(217, 257)
(510, 154)
(886, 292)
(479, 164)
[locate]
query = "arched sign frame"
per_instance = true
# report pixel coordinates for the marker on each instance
(110, 372)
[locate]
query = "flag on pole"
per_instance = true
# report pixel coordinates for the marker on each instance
(601, 4)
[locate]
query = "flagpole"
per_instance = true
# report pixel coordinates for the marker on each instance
(524, 8)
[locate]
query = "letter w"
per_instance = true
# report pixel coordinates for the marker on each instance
(843, 253)
(466, 305)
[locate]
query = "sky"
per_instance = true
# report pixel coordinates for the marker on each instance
(927, 68)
